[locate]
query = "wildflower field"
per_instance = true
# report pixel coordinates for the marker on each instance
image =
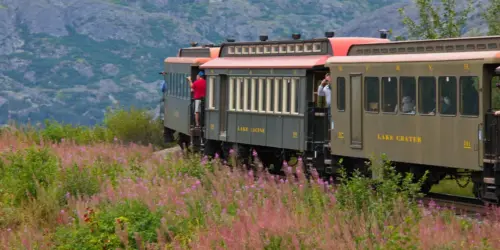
(66, 193)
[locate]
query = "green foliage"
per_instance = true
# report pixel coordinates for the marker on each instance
(492, 17)
(134, 125)
(435, 22)
(77, 181)
(24, 171)
(378, 196)
(56, 132)
(100, 232)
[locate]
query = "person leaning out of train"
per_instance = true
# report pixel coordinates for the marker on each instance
(198, 87)
(324, 90)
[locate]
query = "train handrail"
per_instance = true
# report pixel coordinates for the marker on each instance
(491, 136)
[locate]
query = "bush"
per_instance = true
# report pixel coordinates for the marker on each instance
(77, 181)
(135, 126)
(115, 226)
(23, 171)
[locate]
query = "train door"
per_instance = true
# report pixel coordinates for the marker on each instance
(356, 111)
(223, 106)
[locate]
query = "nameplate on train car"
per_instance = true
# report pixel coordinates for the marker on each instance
(399, 138)
(252, 130)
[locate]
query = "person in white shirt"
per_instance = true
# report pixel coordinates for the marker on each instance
(324, 90)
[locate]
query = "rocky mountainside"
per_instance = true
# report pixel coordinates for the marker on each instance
(70, 59)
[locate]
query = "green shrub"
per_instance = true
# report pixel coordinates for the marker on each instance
(135, 126)
(24, 170)
(99, 231)
(378, 197)
(77, 181)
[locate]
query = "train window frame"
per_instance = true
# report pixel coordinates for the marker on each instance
(382, 96)
(419, 93)
(238, 93)
(447, 79)
(338, 82)
(365, 96)
(211, 92)
(461, 101)
(401, 95)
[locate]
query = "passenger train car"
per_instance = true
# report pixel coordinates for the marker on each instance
(261, 95)
(428, 105)
(178, 107)
(423, 103)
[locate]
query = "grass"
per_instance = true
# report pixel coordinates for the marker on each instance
(451, 187)
(116, 194)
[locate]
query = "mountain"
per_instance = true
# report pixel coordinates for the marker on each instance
(70, 59)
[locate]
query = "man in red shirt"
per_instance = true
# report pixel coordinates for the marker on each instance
(198, 87)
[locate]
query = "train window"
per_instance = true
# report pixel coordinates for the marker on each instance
(469, 96)
(372, 94)
(269, 94)
(341, 93)
(253, 95)
(277, 95)
(285, 105)
(294, 96)
(232, 93)
(447, 95)
(389, 94)
(262, 100)
(211, 92)
(408, 94)
(240, 94)
(246, 94)
(427, 95)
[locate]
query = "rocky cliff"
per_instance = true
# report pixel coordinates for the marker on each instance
(70, 59)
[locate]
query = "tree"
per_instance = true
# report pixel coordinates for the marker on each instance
(434, 22)
(492, 16)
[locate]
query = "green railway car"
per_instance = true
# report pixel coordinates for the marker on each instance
(425, 104)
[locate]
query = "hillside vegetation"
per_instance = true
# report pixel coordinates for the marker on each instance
(58, 193)
(70, 60)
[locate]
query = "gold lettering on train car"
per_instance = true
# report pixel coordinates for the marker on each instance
(430, 67)
(467, 144)
(466, 66)
(340, 135)
(340, 68)
(257, 130)
(399, 138)
(295, 135)
(367, 68)
(212, 126)
(398, 68)
(242, 129)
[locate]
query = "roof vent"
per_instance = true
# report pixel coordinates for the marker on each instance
(210, 45)
(263, 38)
(230, 40)
(383, 33)
(296, 36)
(329, 34)
(194, 44)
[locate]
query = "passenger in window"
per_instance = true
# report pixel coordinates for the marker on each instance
(198, 87)
(445, 105)
(324, 90)
(408, 107)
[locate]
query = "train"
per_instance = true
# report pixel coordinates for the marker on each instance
(429, 105)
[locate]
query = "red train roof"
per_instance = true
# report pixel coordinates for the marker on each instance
(277, 62)
(341, 45)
